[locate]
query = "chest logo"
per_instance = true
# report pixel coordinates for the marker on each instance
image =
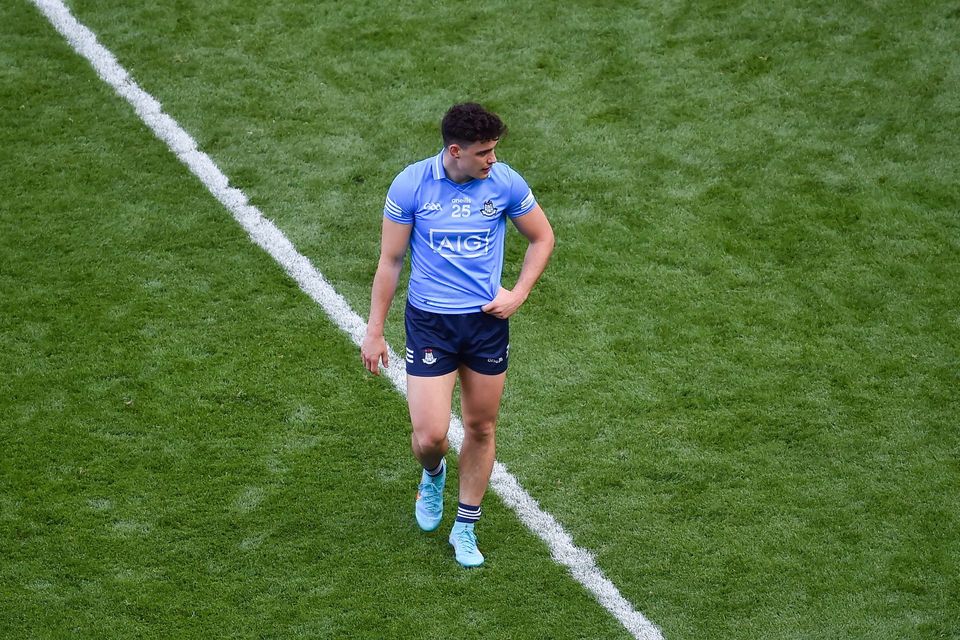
(488, 209)
(461, 243)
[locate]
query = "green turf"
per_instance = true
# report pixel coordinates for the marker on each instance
(737, 383)
(190, 449)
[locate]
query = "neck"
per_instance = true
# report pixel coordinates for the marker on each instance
(450, 167)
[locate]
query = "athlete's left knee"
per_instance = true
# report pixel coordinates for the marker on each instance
(481, 429)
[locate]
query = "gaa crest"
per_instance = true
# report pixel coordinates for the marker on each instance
(488, 209)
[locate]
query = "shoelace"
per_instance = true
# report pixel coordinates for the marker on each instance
(430, 496)
(467, 540)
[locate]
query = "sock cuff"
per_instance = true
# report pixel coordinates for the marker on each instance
(433, 473)
(468, 513)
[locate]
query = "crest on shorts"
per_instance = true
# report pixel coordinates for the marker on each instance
(488, 209)
(428, 357)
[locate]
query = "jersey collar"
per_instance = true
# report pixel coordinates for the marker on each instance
(438, 171)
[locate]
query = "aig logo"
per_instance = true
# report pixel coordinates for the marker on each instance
(460, 243)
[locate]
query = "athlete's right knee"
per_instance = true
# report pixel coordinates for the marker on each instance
(430, 440)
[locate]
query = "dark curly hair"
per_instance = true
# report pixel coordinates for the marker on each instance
(467, 123)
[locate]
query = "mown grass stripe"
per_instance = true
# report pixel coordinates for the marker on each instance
(265, 234)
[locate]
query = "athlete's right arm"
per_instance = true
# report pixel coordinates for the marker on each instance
(395, 238)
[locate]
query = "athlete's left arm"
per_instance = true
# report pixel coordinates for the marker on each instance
(535, 227)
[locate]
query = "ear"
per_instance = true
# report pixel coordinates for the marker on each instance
(454, 150)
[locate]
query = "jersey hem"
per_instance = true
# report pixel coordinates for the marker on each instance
(444, 310)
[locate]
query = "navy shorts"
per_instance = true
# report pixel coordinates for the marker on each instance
(438, 343)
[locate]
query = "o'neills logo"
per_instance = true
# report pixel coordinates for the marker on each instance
(460, 243)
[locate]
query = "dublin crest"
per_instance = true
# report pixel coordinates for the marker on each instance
(428, 357)
(488, 209)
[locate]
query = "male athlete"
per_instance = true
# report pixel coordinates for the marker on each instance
(451, 211)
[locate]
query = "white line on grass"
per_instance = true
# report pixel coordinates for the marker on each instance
(264, 233)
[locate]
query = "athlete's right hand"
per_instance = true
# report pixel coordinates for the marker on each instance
(372, 352)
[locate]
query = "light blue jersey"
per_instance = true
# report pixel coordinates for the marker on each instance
(456, 244)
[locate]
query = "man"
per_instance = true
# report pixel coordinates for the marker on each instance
(451, 211)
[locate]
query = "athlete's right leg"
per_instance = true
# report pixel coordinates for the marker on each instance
(429, 401)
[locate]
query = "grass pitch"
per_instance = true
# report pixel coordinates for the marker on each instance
(736, 383)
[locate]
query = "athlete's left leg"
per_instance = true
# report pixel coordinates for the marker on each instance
(479, 406)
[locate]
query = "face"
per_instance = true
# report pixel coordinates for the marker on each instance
(476, 159)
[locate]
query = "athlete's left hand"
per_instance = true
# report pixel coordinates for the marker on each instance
(505, 304)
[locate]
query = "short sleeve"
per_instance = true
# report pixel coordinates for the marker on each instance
(521, 196)
(400, 205)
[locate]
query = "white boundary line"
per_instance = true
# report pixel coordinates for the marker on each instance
(265, 234)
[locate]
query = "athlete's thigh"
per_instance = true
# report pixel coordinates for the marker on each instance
(480, 395)
(429, 398)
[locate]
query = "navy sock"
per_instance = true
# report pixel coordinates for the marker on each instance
(433, 473)
(468, 513)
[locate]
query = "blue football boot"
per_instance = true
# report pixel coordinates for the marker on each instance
(429, 505)
(464, 542)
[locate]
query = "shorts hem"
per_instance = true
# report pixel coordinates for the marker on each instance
(432, 373)
(486, 371)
